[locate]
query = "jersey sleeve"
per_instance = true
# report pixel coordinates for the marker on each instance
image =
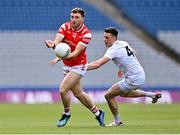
(62, 30)
(110, 53)
(86, 39)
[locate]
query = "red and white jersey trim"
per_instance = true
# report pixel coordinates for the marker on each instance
(88, 35)
(61, 35)
(83, 44)
(79, 29)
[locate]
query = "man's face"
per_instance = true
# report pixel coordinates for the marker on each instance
(108, 39)
(76, 20)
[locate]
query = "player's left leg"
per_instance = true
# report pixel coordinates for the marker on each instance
(81, 95)
(110, 97)
(86, 100)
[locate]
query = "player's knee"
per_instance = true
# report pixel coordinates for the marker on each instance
(62, 92)
(78, 95)
(124, 94)
(107, 96)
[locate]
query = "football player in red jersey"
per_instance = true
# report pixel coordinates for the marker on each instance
(76, 34)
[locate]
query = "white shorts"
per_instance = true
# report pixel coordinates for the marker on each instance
(80, 69)
(126, 86)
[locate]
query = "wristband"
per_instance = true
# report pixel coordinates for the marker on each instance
(54, 46)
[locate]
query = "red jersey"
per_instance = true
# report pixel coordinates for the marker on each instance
(72, 38)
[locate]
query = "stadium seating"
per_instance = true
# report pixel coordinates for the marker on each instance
(26, 24)
(47, 15)
(153, 15)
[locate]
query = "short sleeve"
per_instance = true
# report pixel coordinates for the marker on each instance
(110, 53)
(62, 30)
(86, 39)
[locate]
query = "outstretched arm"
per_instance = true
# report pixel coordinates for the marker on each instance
(98, 63)
(52, 44)
(77, 51)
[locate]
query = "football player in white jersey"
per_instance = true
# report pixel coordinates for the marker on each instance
(121, 53)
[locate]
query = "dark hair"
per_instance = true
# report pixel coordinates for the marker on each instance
(112, 30)
(78, 10)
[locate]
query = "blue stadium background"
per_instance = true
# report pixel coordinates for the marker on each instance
(26, 24)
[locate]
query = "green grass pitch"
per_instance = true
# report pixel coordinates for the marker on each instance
(41, 119)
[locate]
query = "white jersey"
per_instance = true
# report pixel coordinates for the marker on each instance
(125, 58)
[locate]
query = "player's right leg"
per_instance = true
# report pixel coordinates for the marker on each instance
(140, 93)
(131, 90)
(156, 97)
(68, 82)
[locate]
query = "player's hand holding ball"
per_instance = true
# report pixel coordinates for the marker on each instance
(62, 50)
(120, 74)
(50, 44)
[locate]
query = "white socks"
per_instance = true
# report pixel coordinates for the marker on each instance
(95, 110)
(67, 113)
(117, 119)
(97, 113)
(150, 94)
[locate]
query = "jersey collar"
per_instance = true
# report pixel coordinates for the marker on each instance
(79, 28)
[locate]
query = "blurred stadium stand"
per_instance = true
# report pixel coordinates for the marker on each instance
(47, 15)
(25, 25)
(160, 18)
(153, 15)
